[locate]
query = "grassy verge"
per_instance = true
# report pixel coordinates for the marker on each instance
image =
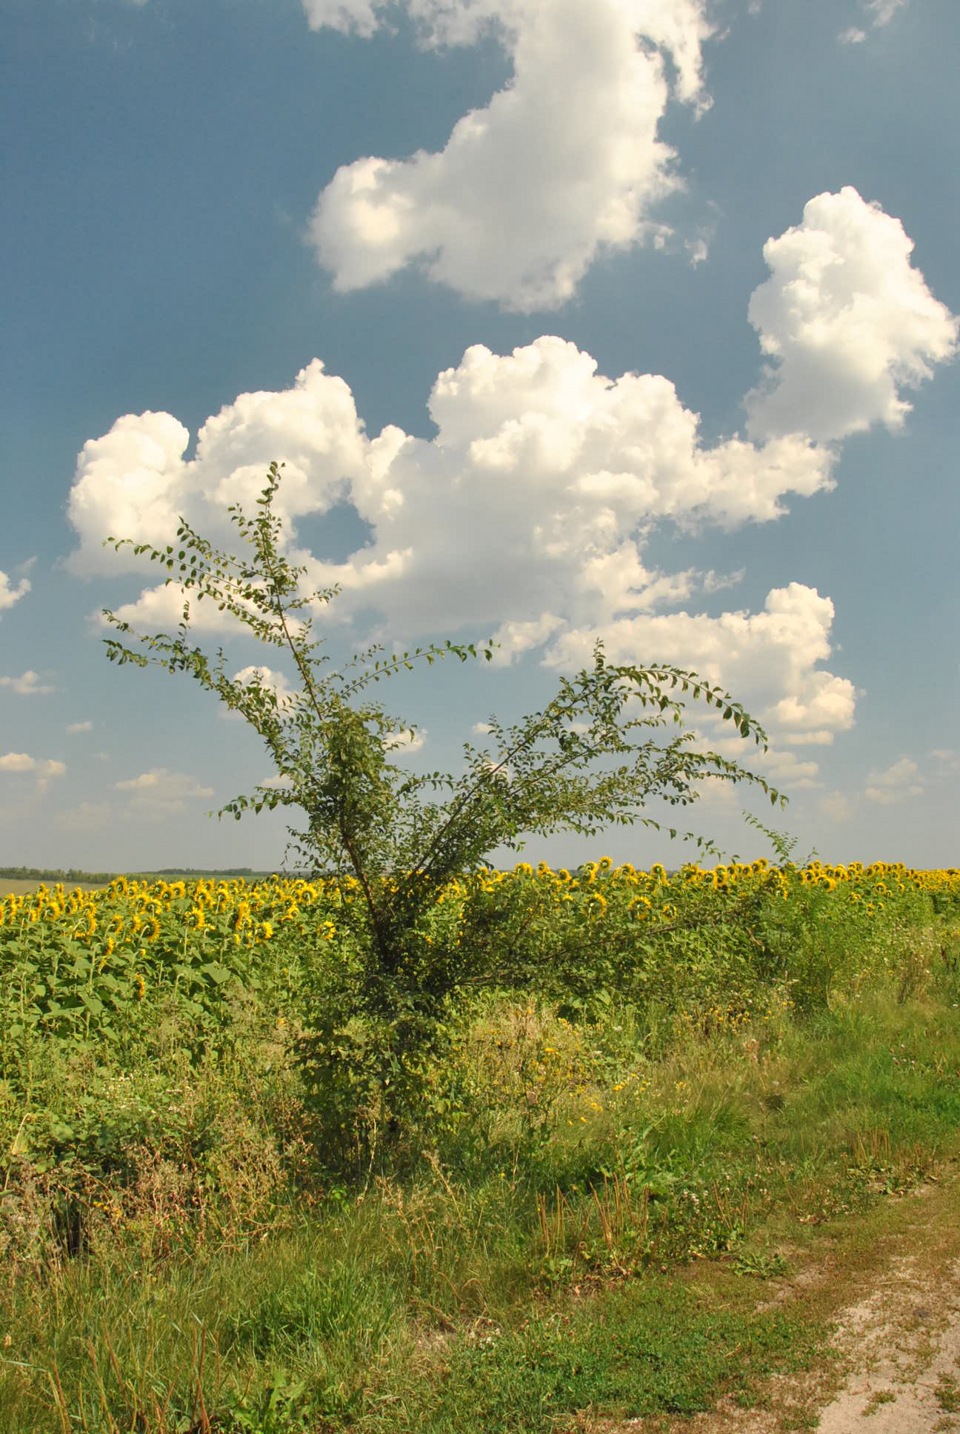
(215, 1215)
(523, 1298)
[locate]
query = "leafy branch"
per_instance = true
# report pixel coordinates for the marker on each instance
(612, 739)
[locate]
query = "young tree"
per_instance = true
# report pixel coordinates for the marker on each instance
(611, 739)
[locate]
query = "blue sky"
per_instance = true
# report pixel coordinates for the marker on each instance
(633, 319)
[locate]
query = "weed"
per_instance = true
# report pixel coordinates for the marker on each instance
(761, 1266)
(947, 1394)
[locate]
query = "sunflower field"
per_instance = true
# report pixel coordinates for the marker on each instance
(80, 967)
(209, 1023)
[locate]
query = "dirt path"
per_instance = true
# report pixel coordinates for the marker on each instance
(904, 1344)
(889, 1286)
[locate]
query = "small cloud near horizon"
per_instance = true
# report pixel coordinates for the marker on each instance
(158, 794)
(28, 684)
(895, 783)
(43, 768)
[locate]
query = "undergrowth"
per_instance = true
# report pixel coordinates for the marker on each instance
(222, 1225)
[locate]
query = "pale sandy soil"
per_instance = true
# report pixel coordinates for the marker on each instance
(904, 1339)
(893, 1300)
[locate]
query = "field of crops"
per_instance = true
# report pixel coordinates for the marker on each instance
(99, 987)
(629, 1068)
(82, 964)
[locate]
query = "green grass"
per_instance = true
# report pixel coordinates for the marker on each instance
(330, 1342)
(647, 1347)
(515, 1300)
(212, 1220)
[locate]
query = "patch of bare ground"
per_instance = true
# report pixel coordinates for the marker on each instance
(888, 1285)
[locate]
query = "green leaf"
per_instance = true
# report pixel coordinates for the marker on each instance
(216, 973)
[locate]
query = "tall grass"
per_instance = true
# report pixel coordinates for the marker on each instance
(217, 1224)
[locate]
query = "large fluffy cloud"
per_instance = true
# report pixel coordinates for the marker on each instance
(774, 655)
(133, 482)
(847, 321)
(537, 492)
(564, 161)
(529, 512)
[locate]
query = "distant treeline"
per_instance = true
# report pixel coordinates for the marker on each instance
(37, 873)
(100, 878)
(245, 871)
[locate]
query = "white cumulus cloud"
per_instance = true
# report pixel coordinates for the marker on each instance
(846, 321)
(534, 498)
(10, 594)
(877, 13)
(405, 743)
(21, 762)
(43, 768)
(529, 514)
(28, 684)
(894, 784)
(269, 679)
(159, 793)
(564, 161)
(773, 655)
(881, 12)
(133, 482)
